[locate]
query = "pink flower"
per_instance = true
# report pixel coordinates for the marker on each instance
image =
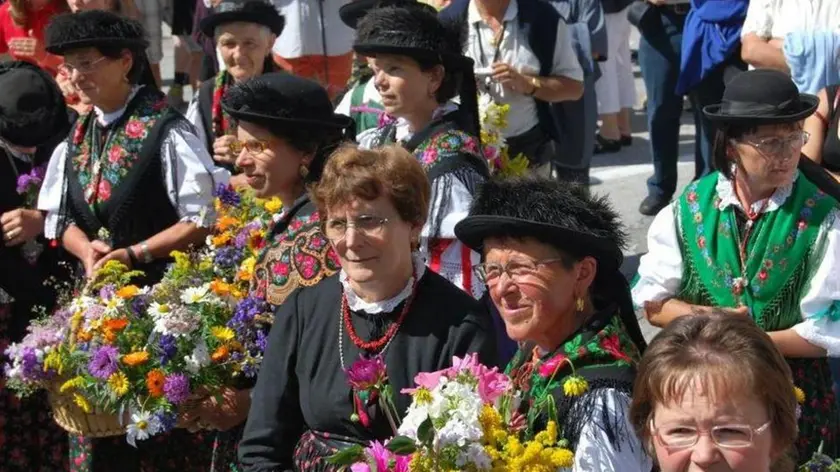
(427, 380)
(401, 463)
(134, 129)
(360, 467)
(115, 154)
(365, 374)
(381, 456)
(467, 364)
(549, 367)
(492, 385)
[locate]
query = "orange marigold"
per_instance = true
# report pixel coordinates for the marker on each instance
(221, 239)
(220, 288)
(128, 292)
(118, 324)
(135, 358)
(226, 222)
(84, 335)
(220, 354)
(154, 382)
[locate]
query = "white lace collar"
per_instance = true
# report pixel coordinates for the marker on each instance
(403, 132)
(727, 195)
(356, 303)
(106, 119)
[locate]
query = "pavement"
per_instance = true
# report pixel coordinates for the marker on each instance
(621, 176)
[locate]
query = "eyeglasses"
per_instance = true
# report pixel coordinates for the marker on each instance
(252, 146)
(367, 225)
(733, 436)
(780, 148)
(517, 271)
(84, 67)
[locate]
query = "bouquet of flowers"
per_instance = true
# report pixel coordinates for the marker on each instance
(493, 119)
(820, 463)
(462, 418)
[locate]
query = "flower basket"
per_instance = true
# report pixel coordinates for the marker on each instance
(74, 420)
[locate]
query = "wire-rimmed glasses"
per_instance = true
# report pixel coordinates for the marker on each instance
(729, 436)
(369, 225)
(517, 270)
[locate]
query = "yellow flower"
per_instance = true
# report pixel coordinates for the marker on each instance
(422, 396)
(135, 358)
(221, 239)
(273, 205)
(182, 260)
(128, 292)
(72, 384)
(82, 402)
(247, 268)
(226, 222)
(55, 361)
(575, 386)
(491, 423)
(800, 395)
(562, 458)
(222, 333)
(220, 288)
(421, 463)
(118, 383)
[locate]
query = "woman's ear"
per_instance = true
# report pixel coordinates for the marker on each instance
(126, 62)
(436, 75)
(586, 270)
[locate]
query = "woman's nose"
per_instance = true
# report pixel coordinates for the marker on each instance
(243, 159)
(380, 81)
(352, 238)
(705, 453)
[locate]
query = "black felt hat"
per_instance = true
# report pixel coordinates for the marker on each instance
(280, 99)
(561, 215)
(248, 11)
(32, 108)
(94, 28)
(354, 11)
(414, 31)
(762, 97)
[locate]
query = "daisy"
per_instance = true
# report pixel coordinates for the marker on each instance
(194, 294)
(144, 425)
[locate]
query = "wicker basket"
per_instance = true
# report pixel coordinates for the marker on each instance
(74, 420)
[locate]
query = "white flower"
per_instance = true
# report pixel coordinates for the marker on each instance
(157, 310)
(414, 417)
(199, 358)
(474, 455)
(180, 322)
(144, 426)
(195, 294)
(81, 303)
(113, 305)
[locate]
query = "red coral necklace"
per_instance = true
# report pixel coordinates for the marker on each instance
(376, 344)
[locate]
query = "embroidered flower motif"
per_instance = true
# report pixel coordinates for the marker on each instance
(135, 129)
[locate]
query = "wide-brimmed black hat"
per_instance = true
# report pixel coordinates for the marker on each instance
(32, 108)
(414, 31)
(280, 99)
(93, 28)
(762, 97)
(561, 215)
(354, 11)
(247, 11)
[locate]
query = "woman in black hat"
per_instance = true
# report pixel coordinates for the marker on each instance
(760, 239)
(32, 114)
(418, 68)
(286, 131)
(244, 31)
(130, 183)
(551, 266)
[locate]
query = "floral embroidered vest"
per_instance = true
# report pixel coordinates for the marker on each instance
(601, 352)
(102, 159)
(782, 253)
(297, 255)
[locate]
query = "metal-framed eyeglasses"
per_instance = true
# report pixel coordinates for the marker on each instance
(84, 67)
(778, 148)
(729, 436)
(516, 270)
(252, 146)
(368, 225)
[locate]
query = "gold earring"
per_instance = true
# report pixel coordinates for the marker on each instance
(579, 304)
(304, 171)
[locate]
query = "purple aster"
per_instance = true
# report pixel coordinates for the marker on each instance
(167, 421)
(241, 239)
(139, 305)
(176, 388)
(29, 363)
(228, 257)
(227, 195)
(104, 362)
(168, 348)
(107, 292)
(23, 183)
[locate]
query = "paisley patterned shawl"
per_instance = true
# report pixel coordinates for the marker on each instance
(601, 352)
(102, 159)
(297, 254)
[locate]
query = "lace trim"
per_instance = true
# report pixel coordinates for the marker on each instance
(355, 303)
(726, 192)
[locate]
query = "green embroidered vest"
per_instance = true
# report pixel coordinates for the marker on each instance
(782, 252)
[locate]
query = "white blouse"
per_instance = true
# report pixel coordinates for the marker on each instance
(661, 269)
(595, 451)
(189, 174)
(193, 115)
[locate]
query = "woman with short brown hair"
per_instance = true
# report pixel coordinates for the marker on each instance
(383, 306)
(722, 374)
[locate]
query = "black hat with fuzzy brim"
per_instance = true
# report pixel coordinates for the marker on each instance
(561, 215)
(32, 107)
(283, 100)
(354, 11)
(94, 28)
(247, 11)
(413, 31)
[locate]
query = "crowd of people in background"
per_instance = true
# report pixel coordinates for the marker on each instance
(398, 236)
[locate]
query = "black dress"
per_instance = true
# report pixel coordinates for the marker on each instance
(302, 406)
(29, 438)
